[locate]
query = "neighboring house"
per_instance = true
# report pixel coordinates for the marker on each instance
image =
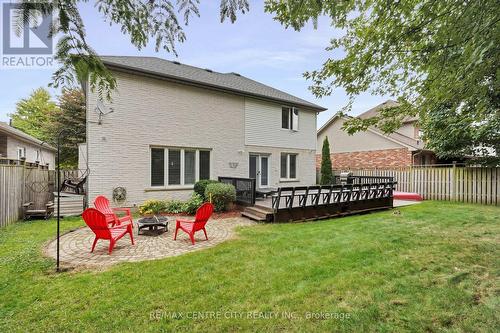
(171, 124)
(16, 145)
(372, 148)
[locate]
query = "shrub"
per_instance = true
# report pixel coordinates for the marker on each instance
(174, 206)
(201, 185)
(193, 204)
(152, 206)
(221, 194)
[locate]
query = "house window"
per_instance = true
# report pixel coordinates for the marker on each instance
(189, 166)
(290, 118)
(157, 167)
(176, 166)
(288, 166)
(37, 156)
(21, 152)
(204, 164)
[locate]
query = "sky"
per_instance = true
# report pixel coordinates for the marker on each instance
(255, 46)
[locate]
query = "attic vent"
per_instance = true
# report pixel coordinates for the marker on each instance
(209, 70)
(237, 74)
(176, 62)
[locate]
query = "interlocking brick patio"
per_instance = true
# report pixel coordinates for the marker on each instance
(75, 245)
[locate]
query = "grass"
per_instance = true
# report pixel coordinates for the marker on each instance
(434, 267)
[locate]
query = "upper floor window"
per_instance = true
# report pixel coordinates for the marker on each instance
(179, 166)
(290, 118)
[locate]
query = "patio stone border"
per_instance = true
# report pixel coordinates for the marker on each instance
(75, 245)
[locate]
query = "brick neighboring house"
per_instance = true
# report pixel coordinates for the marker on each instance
(372, 148)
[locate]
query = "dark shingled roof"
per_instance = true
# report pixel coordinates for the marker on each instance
(231, 82)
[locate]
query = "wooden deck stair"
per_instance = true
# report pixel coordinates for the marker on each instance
(258, 213)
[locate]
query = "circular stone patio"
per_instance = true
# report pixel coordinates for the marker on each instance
(75, 245)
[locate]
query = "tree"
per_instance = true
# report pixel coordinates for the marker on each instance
(71, 114)
(142, 20)
(33, 114)
(440, 58)
(326, 164)
(42, 118)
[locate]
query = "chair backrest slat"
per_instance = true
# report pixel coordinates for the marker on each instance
(101, 203)
(96, 221)
(204, 212)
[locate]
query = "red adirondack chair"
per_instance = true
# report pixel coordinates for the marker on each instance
(190, 227)
(98, 223)
(101, 203)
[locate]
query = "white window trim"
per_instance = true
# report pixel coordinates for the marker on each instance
(180, 186)
(288, 179)
(21, 152)
(290, 119)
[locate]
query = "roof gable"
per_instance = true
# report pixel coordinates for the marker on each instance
(396, 137)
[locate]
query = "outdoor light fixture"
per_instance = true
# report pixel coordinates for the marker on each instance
(233, 165)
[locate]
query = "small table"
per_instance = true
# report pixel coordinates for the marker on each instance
(154, 223)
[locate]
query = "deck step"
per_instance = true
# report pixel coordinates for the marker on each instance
(253, 217)
(260, 209)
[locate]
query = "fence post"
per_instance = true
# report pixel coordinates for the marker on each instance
(453, 194)
(411, 179)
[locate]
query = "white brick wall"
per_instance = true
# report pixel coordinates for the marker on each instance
(149, 112)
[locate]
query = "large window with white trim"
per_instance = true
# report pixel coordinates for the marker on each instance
(288, 166)
(178, 166)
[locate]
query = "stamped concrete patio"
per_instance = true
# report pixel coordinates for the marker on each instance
(75, 245)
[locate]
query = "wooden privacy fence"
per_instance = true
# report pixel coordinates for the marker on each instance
(452, 183)
(20, 184)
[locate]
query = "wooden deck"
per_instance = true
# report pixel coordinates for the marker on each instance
(318, 202)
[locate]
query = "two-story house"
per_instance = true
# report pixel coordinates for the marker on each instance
(373, 148)
(17, 146)
(171, 124)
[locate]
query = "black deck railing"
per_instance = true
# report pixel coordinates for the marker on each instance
(313, 202)
(245, 189)
(339, 180)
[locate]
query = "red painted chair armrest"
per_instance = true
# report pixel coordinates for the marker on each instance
(119, 209)
(125, 218)
(184, 221)
(121, 226)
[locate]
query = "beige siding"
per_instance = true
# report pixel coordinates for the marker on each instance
(409, 130)
(263, 127)
(150, 112)
(46, 156)
(341, 142)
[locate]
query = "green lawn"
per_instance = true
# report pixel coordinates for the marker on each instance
(433, 267)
